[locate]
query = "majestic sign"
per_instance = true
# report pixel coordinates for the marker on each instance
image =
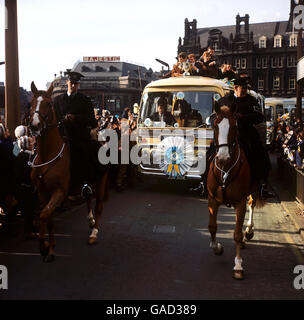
(101, 59)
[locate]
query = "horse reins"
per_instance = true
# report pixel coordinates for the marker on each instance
(225, 174)
(46, 126)
(48, 162)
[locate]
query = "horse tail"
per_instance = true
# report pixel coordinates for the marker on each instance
(260, 203)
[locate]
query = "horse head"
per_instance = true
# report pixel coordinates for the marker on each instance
(41, 112)
(225, 132)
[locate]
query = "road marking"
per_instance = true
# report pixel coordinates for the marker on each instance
(61, 235)
(179, 281)
(164, 229)
(29, 254)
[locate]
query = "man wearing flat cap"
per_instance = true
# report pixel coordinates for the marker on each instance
(76, 117)
(246, 108)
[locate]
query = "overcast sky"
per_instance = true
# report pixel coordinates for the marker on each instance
(54, 34)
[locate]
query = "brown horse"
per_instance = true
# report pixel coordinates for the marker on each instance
(229, 182)
(51, 171)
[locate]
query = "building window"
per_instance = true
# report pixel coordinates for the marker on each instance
(86, 69)
(244, 63)
(292, 83)
(262, 42)
(264, 63)
(261, 84)
(278, 41)
(293, 40)
(215, 46)
(258, 63)
(238, 63)
(277, 62)
(276, 82)
(291, 61)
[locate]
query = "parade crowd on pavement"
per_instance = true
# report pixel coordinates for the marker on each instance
(288, 140)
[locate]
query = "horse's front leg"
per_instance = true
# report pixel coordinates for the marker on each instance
(240, 210)
(101, 191)
(91, 219)
(47, 249)
(213, 206)
(249, 232)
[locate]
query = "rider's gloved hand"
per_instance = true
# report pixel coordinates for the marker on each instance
(69, 117)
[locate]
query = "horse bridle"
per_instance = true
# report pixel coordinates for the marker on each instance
(231, 146)
(45, 126)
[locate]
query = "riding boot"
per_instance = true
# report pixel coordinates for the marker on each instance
(86, 191)
(264, 192)
(198, 188)
(202, 187)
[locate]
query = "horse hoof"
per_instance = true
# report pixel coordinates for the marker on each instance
(238, 274)
(92, 240)
(44, 249)
(218, 250)
(93, 236)
(249, 236)
(49, 258)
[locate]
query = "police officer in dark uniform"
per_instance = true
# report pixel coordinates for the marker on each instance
(246, 108)
(76, 118)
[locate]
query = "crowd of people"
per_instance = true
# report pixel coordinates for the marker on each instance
(17, 194)
(288, 140)
(205, 66)
(124, 124)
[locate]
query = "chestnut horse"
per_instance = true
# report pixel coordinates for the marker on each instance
(229, 182)
(51, 171)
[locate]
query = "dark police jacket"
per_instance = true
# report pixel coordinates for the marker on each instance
(168, 118)
(248, 108)
(249, 116)
(81, 107)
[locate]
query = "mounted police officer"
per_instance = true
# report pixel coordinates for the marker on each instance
(76, 118)
(246, 108)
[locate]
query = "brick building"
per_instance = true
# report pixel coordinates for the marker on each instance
(267, 52)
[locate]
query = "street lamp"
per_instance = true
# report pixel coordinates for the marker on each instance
(163, 63)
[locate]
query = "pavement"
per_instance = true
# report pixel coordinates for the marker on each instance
(292, 207)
